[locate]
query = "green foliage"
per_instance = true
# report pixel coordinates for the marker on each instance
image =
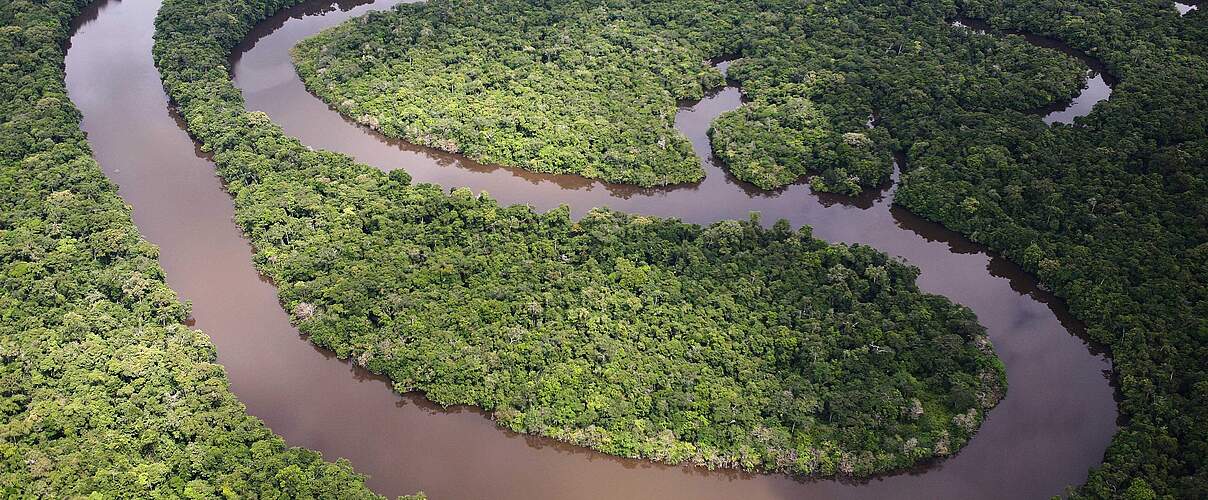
(730, 345)
(1110, 213)
(104, 393)
(589, 86)
(568, 87)
(816, 76)
(772, 143)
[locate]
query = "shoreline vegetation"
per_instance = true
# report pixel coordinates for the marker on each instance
(107, 391)
(589, 88)
(732, 345)
(104, 391)
(1108, 212)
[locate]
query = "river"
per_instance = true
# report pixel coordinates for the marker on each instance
(1054, 424)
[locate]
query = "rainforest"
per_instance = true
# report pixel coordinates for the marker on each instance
(789, 247)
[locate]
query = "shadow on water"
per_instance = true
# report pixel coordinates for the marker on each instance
(1053, 425)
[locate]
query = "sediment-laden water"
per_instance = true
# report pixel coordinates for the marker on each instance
(1054, 424)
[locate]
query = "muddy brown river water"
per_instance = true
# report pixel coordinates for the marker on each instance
(1052, 427)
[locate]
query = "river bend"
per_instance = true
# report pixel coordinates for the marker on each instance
(1054, 424)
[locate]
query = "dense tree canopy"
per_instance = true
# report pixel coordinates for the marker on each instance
(590, 86)
(1108, 212)
(104, 392)
(558, 87)
(730, 345)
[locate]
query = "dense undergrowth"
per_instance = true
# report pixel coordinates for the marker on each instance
(1109, 213)
(104, 393)
(729, 345)
(590, 87)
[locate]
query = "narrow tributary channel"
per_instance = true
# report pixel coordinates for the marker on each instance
(1054, 424)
